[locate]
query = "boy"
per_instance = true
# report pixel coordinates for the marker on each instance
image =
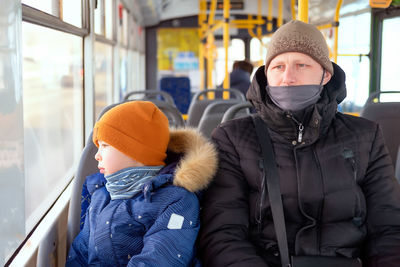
(142, 212)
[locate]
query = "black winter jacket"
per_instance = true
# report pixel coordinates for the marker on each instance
(338, 188)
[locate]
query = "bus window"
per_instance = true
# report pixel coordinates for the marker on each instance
(103, 82)
(53, 121)
(47, 6)
(70, 12)
(98, 18)
(235, 52)
(353, 42)
(390, 79)
(123, 72)
(109, 19)
(258, 52)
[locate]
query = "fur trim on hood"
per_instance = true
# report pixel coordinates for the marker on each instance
(199, 163)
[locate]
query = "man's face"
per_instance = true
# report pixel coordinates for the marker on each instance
(112, 160)
(293, 68)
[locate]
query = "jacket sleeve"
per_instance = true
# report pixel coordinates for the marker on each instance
(225, 212)
(382, 192)
(171, 239)
(78, 253)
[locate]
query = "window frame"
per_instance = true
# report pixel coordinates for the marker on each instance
(377, 18)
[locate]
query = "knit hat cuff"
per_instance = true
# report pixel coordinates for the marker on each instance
(297, 36)
(129, 145)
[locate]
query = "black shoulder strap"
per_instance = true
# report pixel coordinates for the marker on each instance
(274, 191)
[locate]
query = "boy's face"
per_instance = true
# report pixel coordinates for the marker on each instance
(112, 160)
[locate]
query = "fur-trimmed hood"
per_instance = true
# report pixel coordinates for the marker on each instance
(199, 162)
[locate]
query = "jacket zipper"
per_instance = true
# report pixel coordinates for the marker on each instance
(300, 128)
(322, 204)
(358, 207)
(300, 136)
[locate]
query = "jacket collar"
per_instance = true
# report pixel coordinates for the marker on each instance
(318, 116)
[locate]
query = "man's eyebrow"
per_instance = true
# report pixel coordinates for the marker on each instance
(277, 62)
(302, 60)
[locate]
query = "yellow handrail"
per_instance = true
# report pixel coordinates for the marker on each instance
(303, 10)
(269, 16)
(201, 20)
(280, 13)
(353, 55)
(226, 45)
(212, 13)
(336, 19)
(292, 5)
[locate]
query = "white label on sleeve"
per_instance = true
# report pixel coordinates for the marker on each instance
(176, 221)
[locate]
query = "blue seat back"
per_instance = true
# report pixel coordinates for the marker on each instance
(179, 89)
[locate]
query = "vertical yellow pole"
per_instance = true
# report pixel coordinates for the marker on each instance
(210, 60)
(303, 10)
(280, 13)
(335, 46)
(259, 30)
(269, 16)
(201, 22)
(201, 65)
(210, 48)
(212, 13)
(226, 45)
(292, 9)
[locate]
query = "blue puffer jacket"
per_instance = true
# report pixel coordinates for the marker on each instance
(157, 227)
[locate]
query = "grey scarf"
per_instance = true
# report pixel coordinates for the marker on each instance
(128, 182)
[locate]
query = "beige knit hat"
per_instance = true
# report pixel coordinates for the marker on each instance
(297, 36)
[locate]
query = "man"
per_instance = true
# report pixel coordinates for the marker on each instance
(239, 78)
(340, 197)
(240, 75)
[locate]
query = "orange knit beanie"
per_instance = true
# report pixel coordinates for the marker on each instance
(136, 128)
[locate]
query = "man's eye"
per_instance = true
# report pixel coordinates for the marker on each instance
(301, 65)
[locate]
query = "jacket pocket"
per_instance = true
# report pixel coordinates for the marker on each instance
(359, 207)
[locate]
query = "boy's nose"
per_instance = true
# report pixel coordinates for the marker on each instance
(97, 156)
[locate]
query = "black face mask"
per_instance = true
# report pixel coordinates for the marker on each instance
(296, 97)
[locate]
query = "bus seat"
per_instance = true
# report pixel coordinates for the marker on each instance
(198, 105)
(179, 89)
(387, 115)
(171, 111)
(237, 111)
(151, 95)
(87, 166)
(167, 106)
(213, 114)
